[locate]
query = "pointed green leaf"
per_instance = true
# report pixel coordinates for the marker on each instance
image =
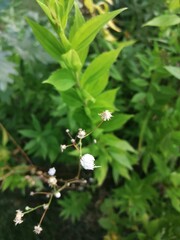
(165, 20)
(175, 71)
(45, 8)
(116, 122)
(87, 32)
(120, 157)
(95, 77)
(4, 135)
(47, 40)
(112, 140)
(101, 172)
(61, 79)
(78, 22)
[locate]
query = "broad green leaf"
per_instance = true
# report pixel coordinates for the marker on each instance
(140, 82)
(174, 4)
(102, 102)
(61, 79)
(116, 122)
(88, 31)
(139, 97)
(29, 133)
(165, 20)
(95, 77)
(175, 71)
(71, 98)
(101, 172)
(120, 157)
(47, 40)
(150, 99)
(112, 140)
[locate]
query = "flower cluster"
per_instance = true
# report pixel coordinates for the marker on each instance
(18, 218)
(86, 161)
(38, 229)
(106, 115)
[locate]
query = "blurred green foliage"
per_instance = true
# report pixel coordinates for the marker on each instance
(139, 196)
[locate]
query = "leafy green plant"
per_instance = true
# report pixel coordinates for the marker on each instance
(74, 205)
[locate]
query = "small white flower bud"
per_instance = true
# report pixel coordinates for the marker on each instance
(52, 171)
(27, 208)
(57, 194)
(63, 147)
(73, 140)
(45, 206)
(67, 130)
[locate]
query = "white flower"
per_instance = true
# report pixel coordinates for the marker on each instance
(87, 162)
(106, 115)
(37, 229)
(18, 218)
(57, 194)
(52, 171)
(81, 133)
(52, 181)
(63, 147)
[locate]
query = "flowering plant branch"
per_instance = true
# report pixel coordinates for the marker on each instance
(86, 162)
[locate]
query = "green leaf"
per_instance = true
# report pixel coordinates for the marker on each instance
(61, 79)
(165, 20)
(106, 100)
(101, 172)
(120, 157)
(29, 133)
(4, 135)
(150, 99)
(71, 98)
(116, 122)
(175, 178)
(74, 205)
(95, 77)
(87, 32)
(45, 9)
(112, 140)
(119, 170)
(174, 195)
(47, 40)
(175, 71)
(78, 22)
(140, 82)
(139, 97)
